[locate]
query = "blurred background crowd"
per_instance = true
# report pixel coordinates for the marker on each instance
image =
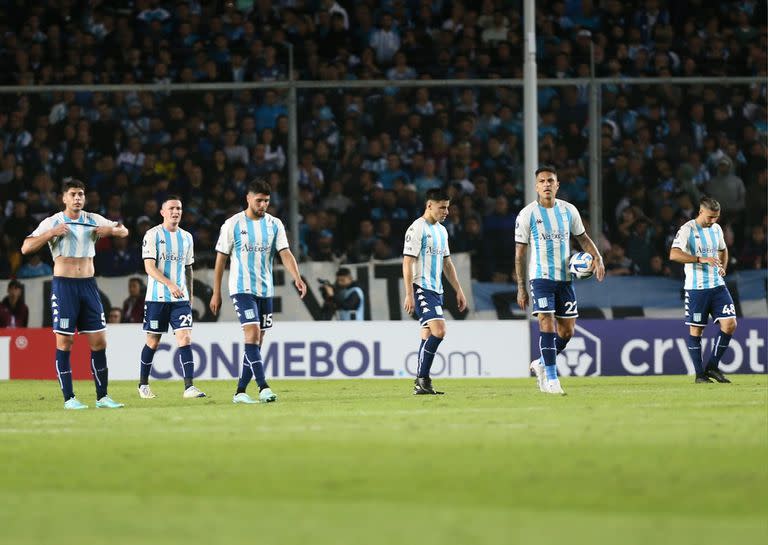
(368, 155)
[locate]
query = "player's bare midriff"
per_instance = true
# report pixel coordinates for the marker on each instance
(73, 267)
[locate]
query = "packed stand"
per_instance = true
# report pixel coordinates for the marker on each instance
(367, 156)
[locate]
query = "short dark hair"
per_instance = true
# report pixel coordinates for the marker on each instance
(710, 204)
(170, 198)
(71, 183)
(545, 168)
(343, 271)
(437, 194)
(259, 185)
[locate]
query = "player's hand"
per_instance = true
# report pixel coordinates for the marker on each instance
(522, 297)
(60, 230)
(301, 286)
(599, 268)
(408, 303)
(215, 303)
(712, 260)
(461, 300)
(176, 291)
(721, 271)
(103, 231)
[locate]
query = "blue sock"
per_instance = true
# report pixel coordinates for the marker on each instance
(147, 355)
(64, 372)
(245, 378)
(428, 355)
(694, 349)
(100, 372)
(419, 355)
(560, 343)
(548, 353)
(187, 364)
(721, 344)
(253, 359)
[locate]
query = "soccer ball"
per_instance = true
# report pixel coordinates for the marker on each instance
(580, 265)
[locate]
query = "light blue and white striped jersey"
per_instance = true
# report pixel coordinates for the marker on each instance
(251, 245)
(548, 233)
(428, 243)
(79, 241)
(700, 242)
(172, 252)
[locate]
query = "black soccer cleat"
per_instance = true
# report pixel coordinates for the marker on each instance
(716, 374)
(423, 386)
(702, 379)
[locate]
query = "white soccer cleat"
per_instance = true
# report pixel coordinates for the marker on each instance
(541, 374)
(553, 387)
(145, 392)
(192, 392)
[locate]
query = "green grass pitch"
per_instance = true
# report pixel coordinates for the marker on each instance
(619, 460)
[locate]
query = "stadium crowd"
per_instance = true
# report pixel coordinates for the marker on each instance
(367, 155)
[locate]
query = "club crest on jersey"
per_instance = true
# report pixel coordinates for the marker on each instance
(64, 323)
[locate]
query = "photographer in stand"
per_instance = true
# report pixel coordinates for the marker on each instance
(343, 297)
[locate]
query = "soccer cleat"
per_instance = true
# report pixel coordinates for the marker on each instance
(537, 368)
(192, 392)
(716, 374)
(554, 387)
(423, 386)
(145, 392)
(107, 402)
(267, 396)
(702, 379)
(243, 398)
(74, 404)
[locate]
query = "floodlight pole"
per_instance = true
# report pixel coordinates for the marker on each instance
(293, 169)
(530, 102)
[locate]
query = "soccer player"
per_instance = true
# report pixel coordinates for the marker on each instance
(75, 300)
(546, 225)
(168, 252)
(700, 245)
(425, 257)
(251, 239)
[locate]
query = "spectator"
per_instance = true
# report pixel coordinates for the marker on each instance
(13, 310)
(114, 316)
(133, 306)
(34, 267)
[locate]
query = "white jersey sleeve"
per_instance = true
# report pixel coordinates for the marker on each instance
(682, 237)
(149, 245)
(523, 226)
(226, 239)
(45, 225)
(281, 239)
(720, 238)
(190, 257)
(101, 221)
(576, 226)
(413, 239)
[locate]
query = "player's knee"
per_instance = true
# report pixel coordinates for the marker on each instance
(153, 341)
(438, 330)
(64, 342)
(728, 327)
(184, 338)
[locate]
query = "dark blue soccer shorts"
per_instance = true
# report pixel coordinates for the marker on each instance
(700, 304)
(552, 296)
(159, 314)
(253, 310)
(76, 305)
(428, 305)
